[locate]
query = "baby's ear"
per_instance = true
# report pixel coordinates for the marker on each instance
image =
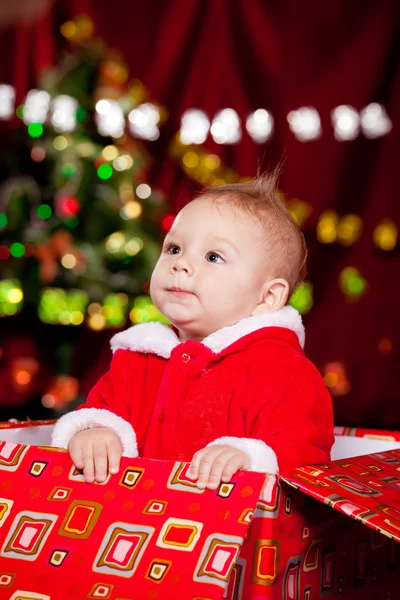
(274, 297)
(260, 309)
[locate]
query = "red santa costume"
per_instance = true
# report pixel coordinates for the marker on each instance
(248, 385)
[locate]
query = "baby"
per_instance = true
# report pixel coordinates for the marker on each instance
(228, 386)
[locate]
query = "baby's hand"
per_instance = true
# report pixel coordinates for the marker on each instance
(217, 463)
(97, 451)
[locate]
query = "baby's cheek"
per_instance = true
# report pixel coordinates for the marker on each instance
(155, 284)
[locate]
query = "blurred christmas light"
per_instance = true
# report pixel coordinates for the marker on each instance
(7, 99)
(110, 152)
(58, 305)
(386, 235)
(302, 298)
(65, 317)
(68, 169)
(126, 192)
(94, 308)
(375, 121)
(115, 242)
(44, 211)
(85, 149)
(4, 252)
(195, 126)
(143, 121)
(305, 123)
(15, 295)
(22, 377)
(78, 30)
(71, 222)
(8, 310)
(48, 401)
(327, 227)
(68, 29)
(166, 222)
(22, 370)
(336, 379)
(260, 125)
(67, 206)
(110, 118)
(63, 390)
(144, 311)
(3, 220)
(105, 172)
(38, 154)
(299, 210)
(225, 128)
(35, 130)
(352, 283)
(133, 246)
(211, 162)
(122, 163)
(97, 322)
(346, 122)
(114, 70)
(68, 261)
(76, 317)
(64, 110)
(349, 229)
(114, 309)
(60, 142)
(190, 159)
(131, 210)
(385, 345)
(36, 107)
(17, 250)
(11, 297)
(143, 191)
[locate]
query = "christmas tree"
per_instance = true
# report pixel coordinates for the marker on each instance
(80, 227)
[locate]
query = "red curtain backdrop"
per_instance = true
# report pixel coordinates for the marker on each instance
(212, 54)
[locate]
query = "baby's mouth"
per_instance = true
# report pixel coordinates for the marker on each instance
(179, 291)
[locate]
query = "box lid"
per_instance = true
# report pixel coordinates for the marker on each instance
(372, 434)
(15, 424)
(366, 488)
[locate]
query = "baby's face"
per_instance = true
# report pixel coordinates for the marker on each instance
(211, 269)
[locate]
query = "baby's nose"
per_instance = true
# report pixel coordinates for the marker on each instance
(181, 265)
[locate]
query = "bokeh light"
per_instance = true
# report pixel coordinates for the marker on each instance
(305, 123)
(327, 227)
(386, 235)
(352, 283)
(302, 298)
(336, 379)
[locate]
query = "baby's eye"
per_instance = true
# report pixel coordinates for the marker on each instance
(172, 249)
(213, 257)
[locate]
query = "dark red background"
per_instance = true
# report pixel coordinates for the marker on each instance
(248, 54)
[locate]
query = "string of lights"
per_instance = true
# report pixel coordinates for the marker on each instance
(143, 121)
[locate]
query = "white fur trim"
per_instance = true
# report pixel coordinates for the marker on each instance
(262, 457)
(288, 317)
(86, 418)
(152, 338)
(161, 340)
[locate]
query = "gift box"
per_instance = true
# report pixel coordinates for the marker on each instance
(148, 533)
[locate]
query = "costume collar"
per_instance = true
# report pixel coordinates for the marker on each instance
(155, 338)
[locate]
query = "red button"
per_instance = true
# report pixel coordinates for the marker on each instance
(161, 417)
(185, 358)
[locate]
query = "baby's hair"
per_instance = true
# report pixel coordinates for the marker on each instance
(260, 197)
